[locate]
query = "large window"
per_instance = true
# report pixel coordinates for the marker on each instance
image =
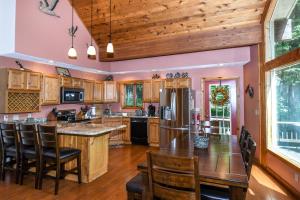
(133, 95)
(284, 28)
(283, 112)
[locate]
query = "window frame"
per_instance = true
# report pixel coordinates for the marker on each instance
(123, 96)
(267, 65)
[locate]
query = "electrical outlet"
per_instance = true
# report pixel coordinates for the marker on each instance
(296, 177)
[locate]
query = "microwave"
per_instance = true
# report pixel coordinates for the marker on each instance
(72, 95)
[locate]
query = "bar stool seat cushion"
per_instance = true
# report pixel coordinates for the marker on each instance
(64, 152)
(135, 185)
(214, 193)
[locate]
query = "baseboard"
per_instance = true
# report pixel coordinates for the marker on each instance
(283, 182)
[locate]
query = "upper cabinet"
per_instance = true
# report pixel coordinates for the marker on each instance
(77, 83)
(16, 79)
(110, 92)
(147, 91)
(71, 82)
(33, 81)
(98, 92)
(178, 83)
(50, 93)
(23, 80)
(151, 90)
(88, 87)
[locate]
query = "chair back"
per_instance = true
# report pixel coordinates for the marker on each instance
(244, 140)
(28, 137)
(8, 135)
(249, 155)
(172, 177)
(48, 138)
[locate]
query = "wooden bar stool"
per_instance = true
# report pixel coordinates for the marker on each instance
(29, 151)
(9, 149)
(55, 157)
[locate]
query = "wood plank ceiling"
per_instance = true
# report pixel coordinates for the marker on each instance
(147, 28)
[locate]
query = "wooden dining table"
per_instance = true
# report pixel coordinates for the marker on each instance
(221, 164)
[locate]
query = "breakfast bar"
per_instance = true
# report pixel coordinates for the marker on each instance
(93, 141)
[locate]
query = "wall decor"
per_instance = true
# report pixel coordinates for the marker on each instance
(73, 30)
(155, 76)
(250, 91)
(109, 78)
(185, 75)
(169, 75)
(63, 71)
(48, 8)
(21, 66)
(177, 75)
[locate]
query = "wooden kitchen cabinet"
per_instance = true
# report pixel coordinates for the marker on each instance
(178, 83)
(115, 137)
(110, 92)
(98, 92)
(88, 87)
(50, 90)
(66, 82)
(154, 131)
(147, 91)
(16, 79)
(156, 86)
(33, 80)
(126, 132)
(77, 83)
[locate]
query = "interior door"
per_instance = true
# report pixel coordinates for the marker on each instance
(227, 114)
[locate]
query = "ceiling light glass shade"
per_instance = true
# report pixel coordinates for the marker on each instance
(72, 53)
(110, 48)
(91, 51)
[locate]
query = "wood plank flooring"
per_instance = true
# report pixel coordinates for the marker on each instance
(111, 186)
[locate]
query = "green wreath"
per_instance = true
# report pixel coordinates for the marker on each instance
(216, 92)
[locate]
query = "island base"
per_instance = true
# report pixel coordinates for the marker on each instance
(94, 155)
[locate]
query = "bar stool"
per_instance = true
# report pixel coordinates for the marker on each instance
(55, 156)
(9, 149)
(29, 150)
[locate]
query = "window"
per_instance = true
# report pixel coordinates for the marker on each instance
(133, 95)
(283, 112)
(284, 28)
(220, 113)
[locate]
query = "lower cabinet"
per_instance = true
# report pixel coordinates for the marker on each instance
(115, 137)
(153, 131)
(127, 130)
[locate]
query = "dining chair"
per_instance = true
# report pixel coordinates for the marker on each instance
(54, 157)
(173, 177)
(242, 135)
(135, 188)
(29, 151)
(9, 150)
(249, 155)
(245, 142)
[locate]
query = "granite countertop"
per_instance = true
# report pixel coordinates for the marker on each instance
(87, 129)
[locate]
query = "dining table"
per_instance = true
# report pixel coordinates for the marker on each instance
(220, 164)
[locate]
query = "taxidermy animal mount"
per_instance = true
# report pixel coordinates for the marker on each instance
(73, 30)
(48, 8)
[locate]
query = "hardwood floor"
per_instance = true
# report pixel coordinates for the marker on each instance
(111, 186)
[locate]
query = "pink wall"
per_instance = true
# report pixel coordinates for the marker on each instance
(196, 75)
(47, 69)
(251, 109)
(206, 58)
(44, 36)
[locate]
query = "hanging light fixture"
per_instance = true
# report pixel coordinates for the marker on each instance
(72, 51)
(91, 51)
(110, 47)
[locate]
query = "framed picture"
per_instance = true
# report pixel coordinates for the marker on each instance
(63, 71)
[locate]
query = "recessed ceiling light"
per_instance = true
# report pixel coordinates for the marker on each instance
(221, 64)
(51, 61)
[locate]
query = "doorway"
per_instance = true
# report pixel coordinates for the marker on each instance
(227, 114)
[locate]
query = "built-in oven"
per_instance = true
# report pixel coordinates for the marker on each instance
(72, 95)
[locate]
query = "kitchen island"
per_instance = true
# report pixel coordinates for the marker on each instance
(93, 141)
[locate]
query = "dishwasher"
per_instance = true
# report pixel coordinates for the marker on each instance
(139, 129)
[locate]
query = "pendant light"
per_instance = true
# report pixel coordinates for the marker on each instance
(110, 47)
(72, 51)
(91, 51)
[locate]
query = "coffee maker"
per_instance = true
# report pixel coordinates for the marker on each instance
(151, 110)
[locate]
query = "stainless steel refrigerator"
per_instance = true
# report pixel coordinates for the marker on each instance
(175, 113)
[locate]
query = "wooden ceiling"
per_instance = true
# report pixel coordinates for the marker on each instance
(147, 28)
